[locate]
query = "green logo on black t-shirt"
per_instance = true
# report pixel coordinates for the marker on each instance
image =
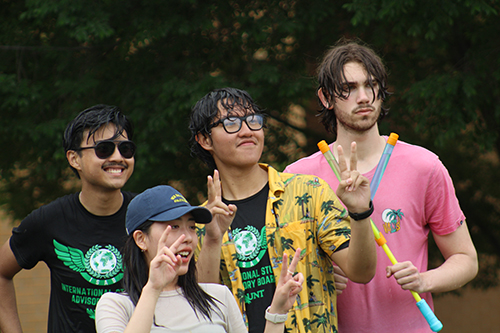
(100, 266)
(250, 245)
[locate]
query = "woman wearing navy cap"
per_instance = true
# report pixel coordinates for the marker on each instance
(161, 290)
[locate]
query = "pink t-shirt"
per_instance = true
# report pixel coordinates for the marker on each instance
(415, 195)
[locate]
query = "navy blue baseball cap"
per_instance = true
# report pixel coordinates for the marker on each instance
(161, 203)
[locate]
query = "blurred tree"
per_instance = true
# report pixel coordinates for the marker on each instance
(155, 59)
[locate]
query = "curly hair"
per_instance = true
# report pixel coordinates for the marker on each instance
(206, 111)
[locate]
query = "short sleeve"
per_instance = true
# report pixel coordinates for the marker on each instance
(442, 212)
(113, 312)
(333, 224)
(27, 240)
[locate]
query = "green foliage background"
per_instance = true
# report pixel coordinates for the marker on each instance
(155, 59)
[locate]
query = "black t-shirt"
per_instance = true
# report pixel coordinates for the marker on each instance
(82, 251)
(249, 235)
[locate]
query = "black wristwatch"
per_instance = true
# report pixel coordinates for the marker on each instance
(363, 215)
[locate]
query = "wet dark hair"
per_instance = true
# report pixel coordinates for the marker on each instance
(93, 119)
(136, 275)
(206, 111)
(331, 77)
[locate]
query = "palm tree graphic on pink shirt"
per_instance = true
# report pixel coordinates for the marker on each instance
(392, 220)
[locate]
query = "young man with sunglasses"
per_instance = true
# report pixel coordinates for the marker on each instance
(276, 213)
(79, 235)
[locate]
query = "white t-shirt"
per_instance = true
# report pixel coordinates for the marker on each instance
(173, 313)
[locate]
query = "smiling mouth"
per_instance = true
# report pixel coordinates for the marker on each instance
(184, 254)
(114, 171)
(114, 168)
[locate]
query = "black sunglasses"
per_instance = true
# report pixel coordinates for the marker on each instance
(106, 148)
(232, 124)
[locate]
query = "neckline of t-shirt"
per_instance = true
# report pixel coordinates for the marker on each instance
(370, 173)
(250, 198)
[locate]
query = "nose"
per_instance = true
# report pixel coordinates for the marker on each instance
(245, 129)
(363, 96)
(116, 154)
(188, 233)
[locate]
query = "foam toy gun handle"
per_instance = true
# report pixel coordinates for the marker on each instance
(382, 164)
(431, 318)
(422, 305)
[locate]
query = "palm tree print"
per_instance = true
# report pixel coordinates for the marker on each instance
(330, 286)
(311, 281)
(271, 239)
(346, 232)
(287, 244)
(320, 320)
(200, 232)
(240, 294)
(307, 324)
(311, 236)
(303, 200)
(395, 217)
(327, 206)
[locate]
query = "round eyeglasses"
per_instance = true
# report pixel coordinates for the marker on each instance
(232, 124)
(106, 148)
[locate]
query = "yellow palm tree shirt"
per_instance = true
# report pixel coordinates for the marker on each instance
(302, 212)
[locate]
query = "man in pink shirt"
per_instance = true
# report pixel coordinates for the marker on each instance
(416, 196)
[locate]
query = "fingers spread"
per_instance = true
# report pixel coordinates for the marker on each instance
(213, 187)
(342, 161)
(295, 260)
(354, 157)
(163, 239)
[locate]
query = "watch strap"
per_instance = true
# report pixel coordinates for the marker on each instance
(363, 215)
(275, 318)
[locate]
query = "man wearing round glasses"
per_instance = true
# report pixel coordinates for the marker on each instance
(78, 236)
(275, 213)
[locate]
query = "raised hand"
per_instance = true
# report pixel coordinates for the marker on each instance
(165, 265)
(289, 285)
(223, 214)
(354, 188)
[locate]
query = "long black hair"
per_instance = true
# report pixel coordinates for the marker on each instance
(136, 275)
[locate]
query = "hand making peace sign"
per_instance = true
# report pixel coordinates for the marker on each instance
(354, 188)
(223, 214)
(289, 285)
(164, 267)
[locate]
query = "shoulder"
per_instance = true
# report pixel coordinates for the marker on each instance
(62, 201)
(406, 149)
(58, 206)
(412, 157)
(219, 291)
(115, 300)
(298, 166)
(312, 182)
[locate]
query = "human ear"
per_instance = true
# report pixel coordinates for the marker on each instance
(140, 240)
(204, 141)
(324, 99)
(74, 159)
